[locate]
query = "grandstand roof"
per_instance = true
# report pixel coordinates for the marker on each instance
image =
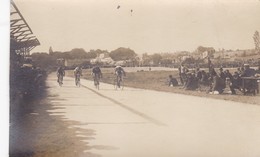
(21, 34)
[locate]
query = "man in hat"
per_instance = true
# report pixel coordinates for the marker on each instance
(192, 82)
(182, 73)
(258, 75)
(250, 85)
(236, 83)
(218, 84)
(248, 72)
(172, 81)
(222, 74)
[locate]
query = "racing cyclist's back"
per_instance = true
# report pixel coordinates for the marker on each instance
(77, 74)
(119, 71)
(77, 71)
(96, 70)
(60, 74)
(61, 71)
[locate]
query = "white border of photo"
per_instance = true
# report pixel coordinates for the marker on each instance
(4, 80)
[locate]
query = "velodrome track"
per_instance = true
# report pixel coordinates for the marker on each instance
(144, 123)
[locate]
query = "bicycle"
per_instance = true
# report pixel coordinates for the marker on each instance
(119, 82)
(60, 78)
(96, 81)
(77, 80)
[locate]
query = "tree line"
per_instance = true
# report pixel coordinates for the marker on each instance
(48, 60)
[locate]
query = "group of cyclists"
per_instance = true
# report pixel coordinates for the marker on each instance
(96, 73)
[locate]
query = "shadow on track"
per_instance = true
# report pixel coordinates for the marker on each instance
(150, 119)
(36, 132)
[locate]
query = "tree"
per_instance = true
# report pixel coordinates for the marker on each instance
(56, 54)
(43, 60)
(156, 58)
(166, 61)
(66, 55)
(122, 54)
(78, 53)
(99, 52)
(146, 59)
(189, 61)
(203, 49)
(256, 40)
(92, 54)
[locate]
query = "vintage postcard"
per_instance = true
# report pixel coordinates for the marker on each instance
(134, 78)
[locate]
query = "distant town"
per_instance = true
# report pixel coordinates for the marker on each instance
(127, 57)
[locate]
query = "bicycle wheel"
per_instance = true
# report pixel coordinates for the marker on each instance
(115, 84)
(96, 82)
(60, 81)
(122, 84)
(78, 82)
(97, 85)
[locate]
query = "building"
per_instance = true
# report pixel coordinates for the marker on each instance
(104, 59)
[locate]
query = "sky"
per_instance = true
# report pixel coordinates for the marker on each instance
(154, 26)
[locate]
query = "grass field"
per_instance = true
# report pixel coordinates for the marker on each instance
(158, 80)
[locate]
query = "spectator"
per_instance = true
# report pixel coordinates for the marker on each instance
(192, 82)
(248, 72)
(198, 74)
(239, 70)
(222, 74)
(235, 83)
(249, 85)
(228, 75)
(218, 84)
(257, 75)
(182, 73)
(204, 78)
(172, 81)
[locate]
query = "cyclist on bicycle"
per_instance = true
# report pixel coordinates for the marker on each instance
(60, 74)
(96, 73)
(77, 74)
(119, 71)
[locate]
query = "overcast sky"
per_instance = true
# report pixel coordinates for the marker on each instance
(153, 26)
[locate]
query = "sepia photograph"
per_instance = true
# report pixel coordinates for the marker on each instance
(133, 78)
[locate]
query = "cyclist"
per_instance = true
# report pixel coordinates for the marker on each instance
(60, 74)
(119, 71)
(97, 74)
(77, 74)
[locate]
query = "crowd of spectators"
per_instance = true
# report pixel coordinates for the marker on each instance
(27, 80)
(217, 80)
(26, 83)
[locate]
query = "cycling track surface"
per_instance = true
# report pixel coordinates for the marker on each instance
(143, 123)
